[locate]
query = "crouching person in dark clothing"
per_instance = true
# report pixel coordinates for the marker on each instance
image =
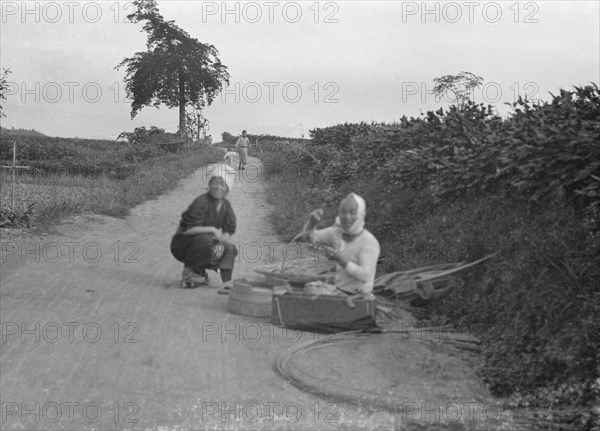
(201, 241)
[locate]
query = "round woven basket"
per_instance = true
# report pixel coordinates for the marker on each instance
(247, 299)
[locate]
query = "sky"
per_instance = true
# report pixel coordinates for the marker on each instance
(294, 66)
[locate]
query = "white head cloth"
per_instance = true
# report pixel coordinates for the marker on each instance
(361, 211)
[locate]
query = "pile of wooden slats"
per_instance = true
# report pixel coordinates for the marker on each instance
(430, 282)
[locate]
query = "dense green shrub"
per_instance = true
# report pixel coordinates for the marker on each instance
(228, 139)
(37, 148)
(84, 157)
(19, 132)
(340, 136)
(143, 136)
(140, 153)
(459, 184)
(540, 150)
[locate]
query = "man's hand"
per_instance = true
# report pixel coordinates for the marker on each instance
(218, 250)
(316, 215)
(332, 253)
(313, 219)
(200, 230)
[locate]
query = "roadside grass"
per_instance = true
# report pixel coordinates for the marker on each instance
(294, 198)
(534, 305)
(153, 178)
(57, 196)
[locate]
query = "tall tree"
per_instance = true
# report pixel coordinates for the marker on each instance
(176, 69)
(3, 88)
(460, 85)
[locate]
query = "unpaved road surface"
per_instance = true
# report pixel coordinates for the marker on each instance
(97, 333)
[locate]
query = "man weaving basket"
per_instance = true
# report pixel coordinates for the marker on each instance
(347, 242)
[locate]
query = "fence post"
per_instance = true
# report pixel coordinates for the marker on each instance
(14, 167)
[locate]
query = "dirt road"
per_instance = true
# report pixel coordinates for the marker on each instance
(97, 333)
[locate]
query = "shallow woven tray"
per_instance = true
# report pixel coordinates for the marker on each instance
(299, 272)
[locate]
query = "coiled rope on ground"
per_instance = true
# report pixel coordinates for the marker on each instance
(310, 383)
(466, 348)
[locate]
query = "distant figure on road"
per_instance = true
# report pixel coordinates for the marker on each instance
(242, 143)
(231, 158)
(201, 241)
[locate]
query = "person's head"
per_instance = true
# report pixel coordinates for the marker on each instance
(351, 214)
(217, 187)
(244, 133)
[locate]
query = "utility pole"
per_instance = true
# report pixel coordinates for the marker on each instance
(199, 116)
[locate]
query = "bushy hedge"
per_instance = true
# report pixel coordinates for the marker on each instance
(540, 150)
(37, 148)
(19, 132)
(455, 185)
(86, 157)
(230, 140)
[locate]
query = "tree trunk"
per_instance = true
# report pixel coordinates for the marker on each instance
(182, 132)
(198, 124)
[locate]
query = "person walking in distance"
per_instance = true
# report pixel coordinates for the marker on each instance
(242, 144)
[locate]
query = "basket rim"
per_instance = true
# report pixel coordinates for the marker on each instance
(290, 276)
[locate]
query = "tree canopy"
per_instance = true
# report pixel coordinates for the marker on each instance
(460, 85)
(176, 69)
(3, 88)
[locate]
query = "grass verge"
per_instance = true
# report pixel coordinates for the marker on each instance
(534, 306)
(58, 196)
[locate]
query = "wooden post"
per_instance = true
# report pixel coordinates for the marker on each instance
(199, 139)
(14, 167)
